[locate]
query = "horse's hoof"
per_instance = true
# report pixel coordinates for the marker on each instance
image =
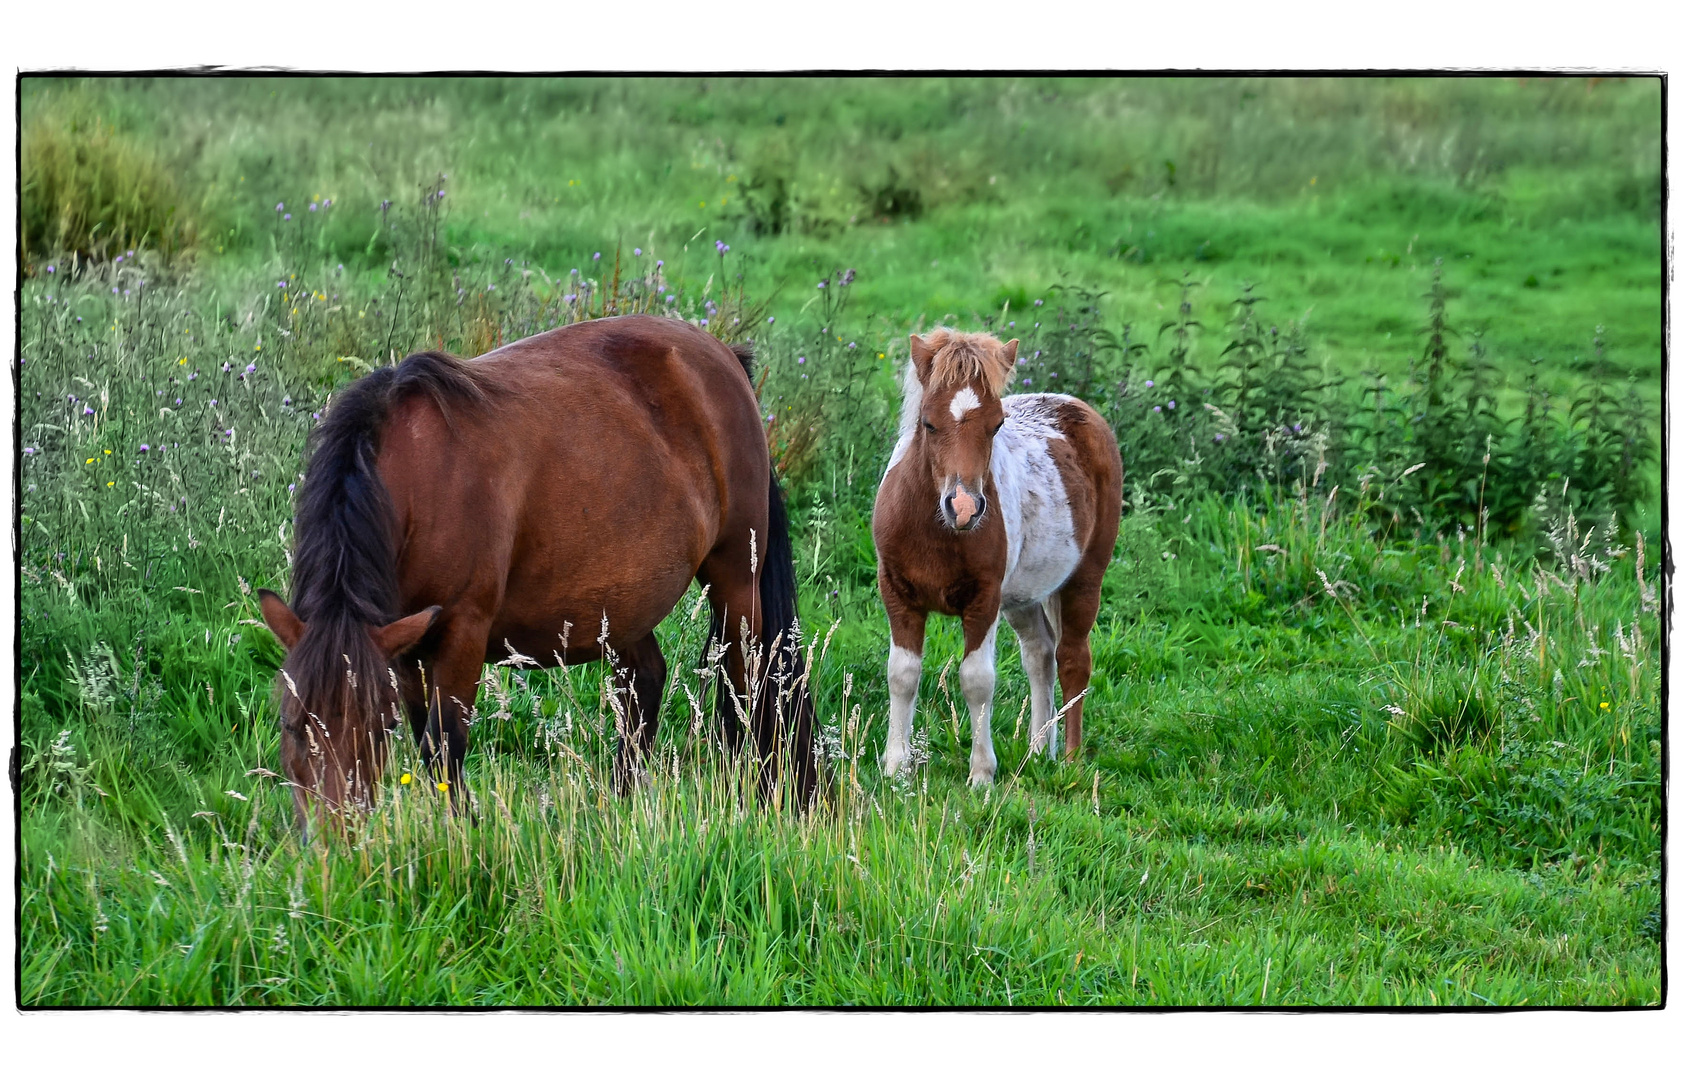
(979, 777)
(895, 765)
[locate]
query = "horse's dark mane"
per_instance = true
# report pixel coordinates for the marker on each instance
(344, 568)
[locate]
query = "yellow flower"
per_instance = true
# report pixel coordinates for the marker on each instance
(1605, 705)
(88, 462)
(110, 483)
(443, 785)
(881, 356)
(183, 360)
(405, 778)
(107, 451)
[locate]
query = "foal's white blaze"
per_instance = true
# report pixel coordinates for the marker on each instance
(905, 669)
(963, 401)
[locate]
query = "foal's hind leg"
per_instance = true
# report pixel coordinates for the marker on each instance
(1079, 603)
(1039, 646)
(639, 677)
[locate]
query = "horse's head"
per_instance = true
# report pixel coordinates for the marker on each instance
(957, 412)
(339, 698)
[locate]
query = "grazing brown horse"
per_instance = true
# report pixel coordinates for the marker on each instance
(993, 504)
(551, 499)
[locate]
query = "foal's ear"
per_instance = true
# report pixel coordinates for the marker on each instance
(922, 355)
(395, 639)
(286, 626)
(1009, 351)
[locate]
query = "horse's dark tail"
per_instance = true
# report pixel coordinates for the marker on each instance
(788, 689)
(786, 694)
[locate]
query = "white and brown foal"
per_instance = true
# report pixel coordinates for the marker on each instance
(993, 506)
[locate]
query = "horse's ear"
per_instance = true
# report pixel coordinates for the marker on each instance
(286, 626)
(397, 638)
(922, 356)
(1009, 350)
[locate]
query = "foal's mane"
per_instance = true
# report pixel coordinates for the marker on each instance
(962, 358)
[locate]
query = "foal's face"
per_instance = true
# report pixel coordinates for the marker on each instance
(958, 425)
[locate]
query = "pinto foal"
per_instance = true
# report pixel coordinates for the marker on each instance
(993, 505)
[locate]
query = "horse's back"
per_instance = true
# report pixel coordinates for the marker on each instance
(606, 460)
(1058, 474)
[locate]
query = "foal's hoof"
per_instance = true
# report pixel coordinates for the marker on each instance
(980, 776)
(894, 765)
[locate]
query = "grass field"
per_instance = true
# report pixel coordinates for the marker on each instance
(1338, 752)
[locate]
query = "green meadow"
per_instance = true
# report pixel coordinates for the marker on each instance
(1375, 710)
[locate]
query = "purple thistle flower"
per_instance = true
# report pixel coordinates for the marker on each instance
(87, 410)
(658, 263)
(1171, 404)
(52, 269)
(315, 416)
(313, 207)
(145, 449)
(636, 251)
(279, 206)
(280, 284)
(1027, 382)
(119, 259)
(30, 450)
(1220, 436)
(212, 403)
(770, 320)
(131, 254)
(1039, 303)
(193, 376)
(824, 284)
(287, 400)
(227, 366)
(1156, 408)
(249, 368)
(703, 322)
(286, 217)
(1012, 322)
(569, 297)
(291, 487)
(1149, 383)
(802, 360)
(596, 257)
(178, 401)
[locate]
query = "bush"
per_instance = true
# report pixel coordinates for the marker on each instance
(91, 191)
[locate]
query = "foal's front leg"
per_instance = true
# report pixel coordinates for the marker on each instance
(976, 676)
(905, 669)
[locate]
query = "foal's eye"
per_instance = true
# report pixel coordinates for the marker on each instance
(998, 426)
(926, 425)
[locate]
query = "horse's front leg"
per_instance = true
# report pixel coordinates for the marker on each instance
(452, 688)
(976, 676)
(905, 670)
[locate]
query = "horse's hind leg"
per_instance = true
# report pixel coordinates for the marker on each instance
(639, 676)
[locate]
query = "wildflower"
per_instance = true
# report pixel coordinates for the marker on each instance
(291, 488)
(131, 254)
(1156, 408)
(213, 403)
(670, 297)
(52, 269)
(596, 257)
(405, 778)
(286, 217)
(227, 366)
(1605, 705)
(286, 400)
(325, 203)
(315, 416)
(722, 246)
(703, 322)
(280, 284)
(312, 205)
(823, 284)
(846, 275)
(1149, 383)
(1039, 303)
(88, 462)
(145, 449)
(1027, 382)
(178, 401)
(29, 450)
(443, 785)
(1013, 322)
(119, 258)
(658, 263)
(250, 368)
(87, 410)
(569, 297)
(279, 206)
(1220, 436)
(852, 344)
(636, 251)
(1171, 404)
(802, 360)
(770, 320)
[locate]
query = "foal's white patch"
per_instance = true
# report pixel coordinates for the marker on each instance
(1033, 503)
(963, 401)
(910, 412)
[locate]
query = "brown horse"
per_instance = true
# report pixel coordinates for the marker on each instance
(551, 499)
(993, 505)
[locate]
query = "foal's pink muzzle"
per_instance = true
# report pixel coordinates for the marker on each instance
(963, 508)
